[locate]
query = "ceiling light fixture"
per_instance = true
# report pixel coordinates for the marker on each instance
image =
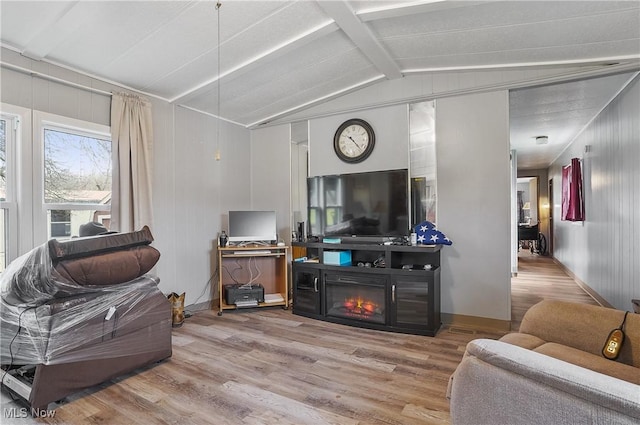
(218, 5)
(542, 140)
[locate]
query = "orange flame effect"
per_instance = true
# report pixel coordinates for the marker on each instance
(360, 306)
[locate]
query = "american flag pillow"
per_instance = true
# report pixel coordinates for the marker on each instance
(427, 234)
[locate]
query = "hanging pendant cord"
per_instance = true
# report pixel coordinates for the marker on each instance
(218, 5)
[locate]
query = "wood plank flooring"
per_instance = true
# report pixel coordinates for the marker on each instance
(269, 366)
(540, 278)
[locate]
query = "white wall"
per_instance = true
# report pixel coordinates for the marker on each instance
(192, 195)
(271, 174)
(604, 250)
(191, 190)
(474, 196)
(472, 143)
(299, 173)
(40, 94)
(391, 151)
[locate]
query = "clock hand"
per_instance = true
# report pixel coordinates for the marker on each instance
(354, 142)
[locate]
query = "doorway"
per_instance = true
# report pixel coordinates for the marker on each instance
(532, 212)
(527, 192)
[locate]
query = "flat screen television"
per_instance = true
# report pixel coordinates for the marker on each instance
(252, 226)
(369, 204)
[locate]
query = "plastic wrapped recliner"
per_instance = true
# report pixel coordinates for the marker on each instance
(80, 312)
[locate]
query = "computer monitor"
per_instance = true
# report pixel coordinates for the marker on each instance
(252, 226)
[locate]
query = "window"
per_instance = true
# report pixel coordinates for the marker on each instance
(333, 200)
(3, 159)
(325, 202)
(3, 193)
(60, 223)
(8, 250)
(314, 209)
(75, 172)
(56, 172)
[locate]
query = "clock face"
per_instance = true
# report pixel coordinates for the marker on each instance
(354, 140)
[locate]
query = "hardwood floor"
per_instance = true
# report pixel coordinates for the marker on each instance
(269, 366)
(540, 278)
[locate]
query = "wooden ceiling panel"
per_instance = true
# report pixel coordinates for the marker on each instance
(97, 34)
(308, 95)
(271, 29)
(322, 63)
(559, 111)
(488, 14)
(21, 21)
(525, 43)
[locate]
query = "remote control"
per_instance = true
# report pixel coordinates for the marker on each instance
(612, 347)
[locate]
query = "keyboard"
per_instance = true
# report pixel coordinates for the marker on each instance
(252, 252)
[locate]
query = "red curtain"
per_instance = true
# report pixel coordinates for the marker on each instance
(572, 194)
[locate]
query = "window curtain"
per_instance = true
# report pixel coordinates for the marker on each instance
(132, 140)
(572, 193)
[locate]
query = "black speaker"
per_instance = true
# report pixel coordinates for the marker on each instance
(301, 231)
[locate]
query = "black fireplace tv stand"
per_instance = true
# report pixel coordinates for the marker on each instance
(386, 287)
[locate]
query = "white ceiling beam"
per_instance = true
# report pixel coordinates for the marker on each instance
(413, 8)
(634, 60)
(51, 36)
(362, 36)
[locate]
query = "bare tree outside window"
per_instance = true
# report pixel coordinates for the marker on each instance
(77, 180)
(77, 168)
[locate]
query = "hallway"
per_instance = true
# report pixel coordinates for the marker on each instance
(539, 277)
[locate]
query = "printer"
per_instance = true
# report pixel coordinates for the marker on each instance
(243, 294)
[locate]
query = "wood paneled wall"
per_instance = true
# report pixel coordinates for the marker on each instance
(604, 250)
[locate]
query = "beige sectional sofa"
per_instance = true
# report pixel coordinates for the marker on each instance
(552, 371)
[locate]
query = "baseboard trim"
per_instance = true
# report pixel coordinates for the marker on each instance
(205, 305)
(475, 322)
(591, 292)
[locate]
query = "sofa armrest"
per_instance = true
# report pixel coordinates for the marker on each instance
(497, 382)
(582, 326)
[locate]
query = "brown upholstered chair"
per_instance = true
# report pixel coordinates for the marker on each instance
(80, 312)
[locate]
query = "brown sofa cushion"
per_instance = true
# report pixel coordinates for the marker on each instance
(109, 268)
(51, 271)
(591, 361)
(86, 247)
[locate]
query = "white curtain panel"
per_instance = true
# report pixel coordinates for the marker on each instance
(132, 142)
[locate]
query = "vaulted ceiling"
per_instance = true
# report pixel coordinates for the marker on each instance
(280, 57)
